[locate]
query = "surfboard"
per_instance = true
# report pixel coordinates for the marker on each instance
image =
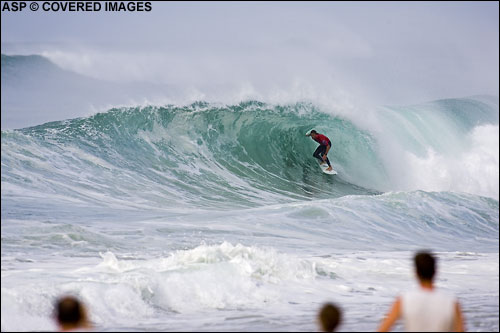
(324, 167)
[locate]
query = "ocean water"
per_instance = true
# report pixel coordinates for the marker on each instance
(216, 217)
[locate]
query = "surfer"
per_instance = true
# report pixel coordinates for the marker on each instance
(324, 146)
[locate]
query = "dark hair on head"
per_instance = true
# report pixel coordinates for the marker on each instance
(69, 310)
(313, 131)
(329, 317)
(425, 264)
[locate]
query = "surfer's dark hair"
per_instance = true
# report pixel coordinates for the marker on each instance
(313, 131)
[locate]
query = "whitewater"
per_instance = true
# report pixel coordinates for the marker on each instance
(215, 217)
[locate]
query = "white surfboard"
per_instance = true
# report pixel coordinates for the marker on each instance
(324, 167)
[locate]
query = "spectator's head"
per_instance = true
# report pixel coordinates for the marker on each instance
(70, 313)
(425, 265)
(329, 317)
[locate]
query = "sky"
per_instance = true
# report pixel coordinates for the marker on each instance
(361, 52)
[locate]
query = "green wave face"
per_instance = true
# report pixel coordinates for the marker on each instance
(244, 155)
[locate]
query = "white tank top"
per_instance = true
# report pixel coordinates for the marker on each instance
(428, 311)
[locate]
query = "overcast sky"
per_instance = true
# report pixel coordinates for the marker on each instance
(381, 52)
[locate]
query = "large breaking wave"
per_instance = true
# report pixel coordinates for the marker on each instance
(252, 154)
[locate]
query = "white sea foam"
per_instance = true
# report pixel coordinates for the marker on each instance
(473, 170)
(222, 280)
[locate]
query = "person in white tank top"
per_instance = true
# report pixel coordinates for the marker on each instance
(425, 309)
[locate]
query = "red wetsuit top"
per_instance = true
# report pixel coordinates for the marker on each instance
(322, 140)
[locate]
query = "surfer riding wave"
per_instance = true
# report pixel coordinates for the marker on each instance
(324, 146)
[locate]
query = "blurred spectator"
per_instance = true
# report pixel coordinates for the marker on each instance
(329, 317)
(71, 315)
(425, 309)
